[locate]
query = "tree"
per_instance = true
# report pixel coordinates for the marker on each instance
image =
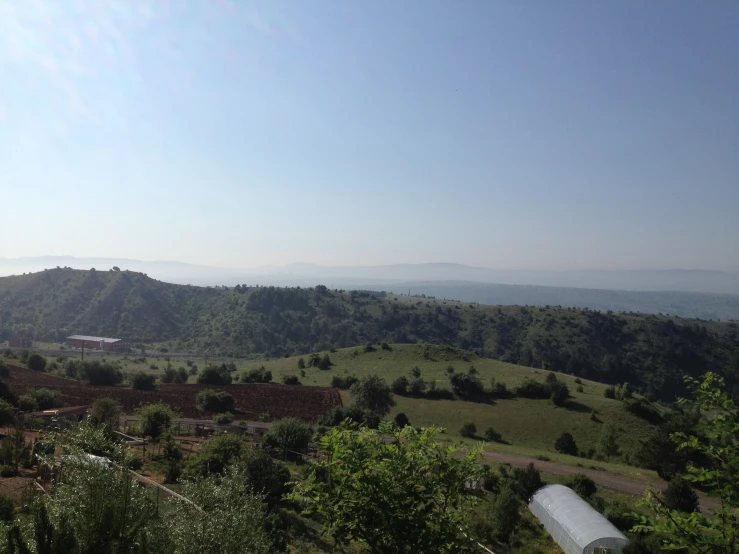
(528, 481)
(214, 456)
(97, 373)
(215, 375)
(400, 386)
(401, 420)
(566, 444)
(143, 381)
(154, 420)
(325, 362)
(582, 485)
(608, 443)
(289, 434)
(214, 401)
(466, 385)
(680, 496)
(559, 393)
(6, 413)
(36, 362)
(468, 429)
(222, 516)
(372, 393)
(7, 509)
(259, 375)
(416, 372)
(714, 438)
(505, 517)
(301, 363)
(290, 380)
(492, 435)
(265, 475)
(105, 412)
(402, 495)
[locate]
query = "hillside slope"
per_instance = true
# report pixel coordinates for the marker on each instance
(654, 352)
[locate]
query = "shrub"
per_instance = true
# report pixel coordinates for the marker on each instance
(214, 401)
(680, 496)
(550, 379)
(559, 393)
(528, 481)
(492, 435)
(27, 403)
(223, 419)
(580, 388)
(621, 516)
(466, 385)
(438, 394)
(154, 420)
(214, 456)
(289, 434)
(505, 514)
(582, 485)
(368, 347)
(6, 413)
(532, 389)
(343, 383)
(172, 375)
(610, 392)
(36, 362)
(566, 444)
(290, 380)
(301, 363)
(325, 362)
(265, 474)
(372, 393)
(500, 390)
(259, 375)
(416, 387)
(215, 375)
(4, 370)
(97, 373)
(400, 386)
(7, 510)
(386, 346)
(401, 420)
(105, 412)
(643, 409)
(143, 381)
(578, 381)
(352, 413)
(468, 429)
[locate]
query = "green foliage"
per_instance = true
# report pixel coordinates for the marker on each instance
(36, 362)
(559, 393)
(214, 456)
(290, 380)
(223, 419)
(527, 480)
(468, 429)
(401, 420)
(214, 401)
(259, 375)
(154, 420)
(27, 403)
(7, 509)
(680, 496)
(225, 517)
(325, 363)
(492, 435)
(529, 388)
(566, 444)
(610, 392)
(714, 437)
(403, 495)
(608, 442)
(343, 383)
(372, 393)
(95, 372)
(301, 363)
(215, 375)
(582, 485)
(659, 452)
(172, 375)
(353, 414)
(289, 434)
(467, 386)
(105, 412)
(643, 409)
(265, 475)
(6, 413)
(4, 370)
(15, 452)
(143, 381)
(505, 514)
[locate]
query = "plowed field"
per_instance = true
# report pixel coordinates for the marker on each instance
(251, 400)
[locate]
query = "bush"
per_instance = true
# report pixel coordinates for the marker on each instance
(223, 419)
(400, 386)
(532, 389)
(643, 409)
(505, 514)
(6, 413)
(259, 375)
(438, 394)
(172, 375)
(214, 401)
(154, 420)
(268, 476)
(372, 393)
(7, 510)
(528, 481)
(580, 388)
(492, 435)
(214, 456)
(4, 370)
(96, 373)
(368, 347)
(36, 362)
(105, 412)
(578, 381)
(610, 392)
(386, 346)
(468, 429)
(500, 390)
(416, 387)
(143, 381)
(559, 393)
(466, 385)
(289, 434)
(619, 514)
(353, 414)
(301, 363)
(290, 380)
(325, 362)
(680, 496)
(401, 420)
(27, 403)
(215, 375)
(343, 383)
(566, 444)
(582, 485)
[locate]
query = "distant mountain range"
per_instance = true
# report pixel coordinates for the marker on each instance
(689, 293)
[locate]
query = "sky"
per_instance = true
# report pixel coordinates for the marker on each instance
(510, 135)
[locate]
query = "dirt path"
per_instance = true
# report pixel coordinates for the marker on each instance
(618, 483)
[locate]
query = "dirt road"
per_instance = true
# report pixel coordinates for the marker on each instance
(618, 483)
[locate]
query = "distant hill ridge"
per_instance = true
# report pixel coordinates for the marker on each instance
(652, 351)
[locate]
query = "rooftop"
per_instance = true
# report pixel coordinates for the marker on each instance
(96, 339)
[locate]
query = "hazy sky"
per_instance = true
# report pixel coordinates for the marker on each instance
(531, 134)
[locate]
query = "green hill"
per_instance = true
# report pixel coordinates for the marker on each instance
(652, 352)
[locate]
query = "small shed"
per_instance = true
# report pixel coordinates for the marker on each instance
(573, 524)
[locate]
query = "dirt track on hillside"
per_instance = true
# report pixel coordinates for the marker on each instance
(618, 483)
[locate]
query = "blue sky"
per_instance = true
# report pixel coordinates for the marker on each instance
(536, 134)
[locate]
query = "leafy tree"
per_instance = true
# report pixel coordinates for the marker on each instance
(403, 495)
(492, 435)
(259, 375)
(325, 362)
(372, 393)
(528, 481)
(4, 370)
(680, 496)
(343, 382)
(27, 403)
(14, 450)
(505, 514)
(214, 456)
(610, 392)
(582, 485)
(6, 413)
(223, 419)
(466, 385)
(715, 532)
(143, 381)
(608, 442)
(559, 393)
(47, 399)
(401, 420)
(222, 516)
(214, 401)
(97, 373)
(301, 363)
(265, 475)
(528, 388)
(36, 362)
(468, 429)
(400, 386)
(659, 452)
(172, 375)
(416, 372)
(416, 387)
(7, 510)
(289, 434)
(566, 444)
(215, 375)
(290, 380)
(105, 412)
(154, 420)
(550, 379)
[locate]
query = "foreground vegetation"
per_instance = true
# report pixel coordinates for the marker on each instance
(651, 352)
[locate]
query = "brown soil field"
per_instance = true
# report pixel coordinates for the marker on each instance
(251, 400)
